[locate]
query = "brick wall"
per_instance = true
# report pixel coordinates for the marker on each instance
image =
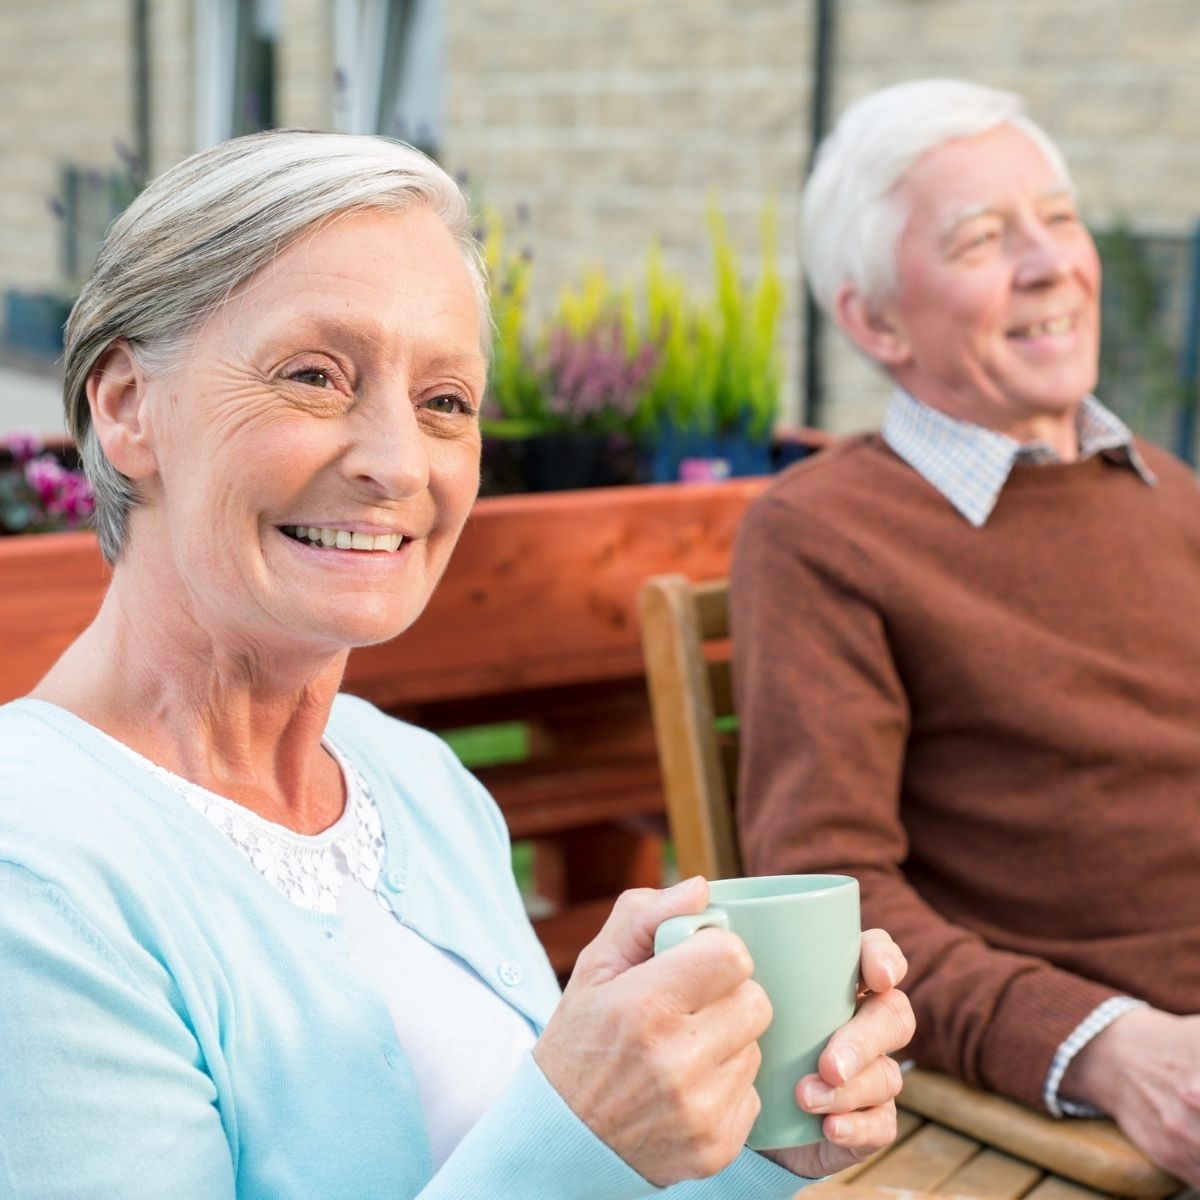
(614, 121)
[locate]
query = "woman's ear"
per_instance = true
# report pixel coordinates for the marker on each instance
(117, 395)
(874, 332)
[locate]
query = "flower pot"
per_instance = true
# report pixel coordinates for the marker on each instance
(556, 461)
(736, 453)
(560, 461)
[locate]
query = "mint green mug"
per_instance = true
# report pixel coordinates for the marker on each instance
(803, 933)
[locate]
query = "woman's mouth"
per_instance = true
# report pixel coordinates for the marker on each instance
(344, 539)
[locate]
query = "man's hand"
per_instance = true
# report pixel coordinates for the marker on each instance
(857, 1083)
(1144, 1071)
(657, 1056)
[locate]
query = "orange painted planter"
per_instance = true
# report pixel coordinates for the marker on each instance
(541, 592)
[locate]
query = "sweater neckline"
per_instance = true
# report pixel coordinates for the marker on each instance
(154, 790)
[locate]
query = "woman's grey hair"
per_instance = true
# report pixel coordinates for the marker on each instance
(201, 230)
(852, 217)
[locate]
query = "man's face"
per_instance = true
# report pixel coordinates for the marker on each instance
(996, 314)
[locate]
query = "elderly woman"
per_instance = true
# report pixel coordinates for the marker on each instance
(256, 938)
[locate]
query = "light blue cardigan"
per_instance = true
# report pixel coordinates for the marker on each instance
(172, 1026)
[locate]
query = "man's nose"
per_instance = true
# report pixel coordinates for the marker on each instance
(388, 453)
(1041, 257)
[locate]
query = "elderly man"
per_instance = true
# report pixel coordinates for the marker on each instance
(967, 647)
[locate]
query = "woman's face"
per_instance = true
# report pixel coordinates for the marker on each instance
(317, 449)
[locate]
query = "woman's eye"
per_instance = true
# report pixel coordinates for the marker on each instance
(449, 403)
(312, 377)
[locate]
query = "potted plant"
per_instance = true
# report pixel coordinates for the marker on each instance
(564, 402)
(712, 403)
(41, 490)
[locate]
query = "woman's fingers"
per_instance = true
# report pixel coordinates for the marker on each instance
(883, 962)
(883, 1024)
(865, 1131)
(878, 1083)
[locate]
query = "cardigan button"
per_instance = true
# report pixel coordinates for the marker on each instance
(393, 881)
(510, 973)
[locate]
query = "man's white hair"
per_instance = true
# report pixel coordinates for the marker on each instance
(201, 230)
(852, 217)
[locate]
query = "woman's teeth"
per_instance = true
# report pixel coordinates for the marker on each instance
(343, 539)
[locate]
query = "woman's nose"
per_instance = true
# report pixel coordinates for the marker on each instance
(388, 453)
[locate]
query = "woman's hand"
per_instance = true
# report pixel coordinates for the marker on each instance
(857, 1083)
(657, 1056)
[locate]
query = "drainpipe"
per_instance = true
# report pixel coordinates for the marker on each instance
(141, 90)
(814, 379)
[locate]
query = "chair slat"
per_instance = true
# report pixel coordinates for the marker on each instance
(720, 685)
(1055, 1188)
(995, 1175)
(925, 1161)
(712, 608)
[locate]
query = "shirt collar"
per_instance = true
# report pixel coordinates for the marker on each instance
(970, 465)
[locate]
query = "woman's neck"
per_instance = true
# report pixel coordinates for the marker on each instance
(244, 721)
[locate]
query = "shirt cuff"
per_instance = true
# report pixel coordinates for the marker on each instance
(1099, 1019)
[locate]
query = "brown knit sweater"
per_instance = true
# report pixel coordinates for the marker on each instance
(997, 730)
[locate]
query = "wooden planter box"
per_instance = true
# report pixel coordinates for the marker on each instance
(535, 621)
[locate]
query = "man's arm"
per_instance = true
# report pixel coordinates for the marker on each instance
(825, 723)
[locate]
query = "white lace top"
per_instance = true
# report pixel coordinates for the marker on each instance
(309, 869)
(462, 1041)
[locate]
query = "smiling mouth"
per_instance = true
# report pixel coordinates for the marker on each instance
(1037, 329)
(343, 539)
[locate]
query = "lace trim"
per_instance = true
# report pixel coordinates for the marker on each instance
(310, 870)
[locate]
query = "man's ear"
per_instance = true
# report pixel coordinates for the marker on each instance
(873, 332)
(117, 396)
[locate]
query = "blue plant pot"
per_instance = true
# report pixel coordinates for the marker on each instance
(743, 453)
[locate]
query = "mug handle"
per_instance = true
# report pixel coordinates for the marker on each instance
(674, 929)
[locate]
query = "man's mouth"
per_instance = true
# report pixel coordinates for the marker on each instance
(344, 539)
(1054, 327)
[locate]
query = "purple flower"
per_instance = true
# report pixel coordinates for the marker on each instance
(127, 154)
(593, 380)
(22, 444)
(56, 207)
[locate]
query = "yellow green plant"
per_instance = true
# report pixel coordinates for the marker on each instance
(514, 389)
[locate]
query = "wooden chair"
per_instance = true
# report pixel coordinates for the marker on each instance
(952, 1138)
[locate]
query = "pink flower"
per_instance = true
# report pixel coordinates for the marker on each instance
(62, 493)
(22, 444)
